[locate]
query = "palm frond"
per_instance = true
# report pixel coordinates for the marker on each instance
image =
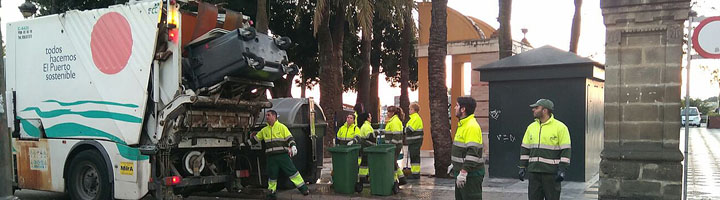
(365, 10)
(320, 12)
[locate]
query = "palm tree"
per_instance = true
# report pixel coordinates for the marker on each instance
(504, 32)
(365, 19)
(261, 18)
(575, 31)
(437, 50)
(330, 49)
(407, 49)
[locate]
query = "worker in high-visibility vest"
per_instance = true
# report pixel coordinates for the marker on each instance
(347, 134)
(544, 153)
(367, 139)
(279, 147)
(468, 166)
(414, 139)
(394, 135)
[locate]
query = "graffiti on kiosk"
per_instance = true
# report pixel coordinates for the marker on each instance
(495, 114)
(506, 138)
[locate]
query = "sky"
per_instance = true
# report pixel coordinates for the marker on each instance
(548, 23)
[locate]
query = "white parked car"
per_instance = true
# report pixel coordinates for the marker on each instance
(694, 118)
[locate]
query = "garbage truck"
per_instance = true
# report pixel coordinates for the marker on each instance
(145, 98)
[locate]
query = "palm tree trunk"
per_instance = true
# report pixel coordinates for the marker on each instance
(363, 95)
(575, 31)
(374, 105)
(405, 51)
(504, 32)
(331, 71)
(437, 50)
(261, 18)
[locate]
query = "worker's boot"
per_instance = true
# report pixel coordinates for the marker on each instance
(271, 196)
(402, 180)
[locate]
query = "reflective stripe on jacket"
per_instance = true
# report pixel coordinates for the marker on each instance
(467, 147)
(394, 131)
(414, 129)
(347, 133)
(367, 135)
(277, 138)
(545, 147)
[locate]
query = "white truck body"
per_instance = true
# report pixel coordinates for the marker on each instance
(84, 75)
(105, 90)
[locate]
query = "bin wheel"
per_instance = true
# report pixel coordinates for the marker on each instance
(396, 188)
(358, 187)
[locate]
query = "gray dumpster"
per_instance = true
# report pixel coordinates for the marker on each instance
(295, 114)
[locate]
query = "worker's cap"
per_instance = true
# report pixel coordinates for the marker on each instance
(545, 103)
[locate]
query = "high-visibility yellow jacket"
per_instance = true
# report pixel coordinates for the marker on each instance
(467, 147)
(367, 135)
(414, 129)
(347, 133)
(277, 138)
(545, 147)
(394, 131)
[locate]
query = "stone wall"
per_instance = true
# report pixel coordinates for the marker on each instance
(641, 156)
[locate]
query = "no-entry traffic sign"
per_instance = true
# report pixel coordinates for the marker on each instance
(706, 38)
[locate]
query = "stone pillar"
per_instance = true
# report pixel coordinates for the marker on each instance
(641, 157)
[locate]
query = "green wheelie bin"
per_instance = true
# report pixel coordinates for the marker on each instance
(381, 161)
(345, 168)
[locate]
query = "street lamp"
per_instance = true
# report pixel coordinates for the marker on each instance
(27, 9)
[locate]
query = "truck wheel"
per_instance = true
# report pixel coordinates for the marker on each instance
(88, 177)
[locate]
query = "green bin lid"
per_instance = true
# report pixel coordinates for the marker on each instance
(381, 148)
(344, 148)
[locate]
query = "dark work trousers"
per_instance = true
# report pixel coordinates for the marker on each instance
(472, 189)
(543, 186)
(414, 151)
(398, 171)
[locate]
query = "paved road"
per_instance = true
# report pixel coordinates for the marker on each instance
(704, 163)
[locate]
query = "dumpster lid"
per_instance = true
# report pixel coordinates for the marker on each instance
(293, 111)
(381, 148)
(546, 62)
(344, 148)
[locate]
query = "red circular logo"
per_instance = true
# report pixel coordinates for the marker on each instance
(111, 43)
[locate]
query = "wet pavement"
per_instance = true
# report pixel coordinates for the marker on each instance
(438, 188)
(704, 163)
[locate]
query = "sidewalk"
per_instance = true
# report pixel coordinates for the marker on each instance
(436, 188)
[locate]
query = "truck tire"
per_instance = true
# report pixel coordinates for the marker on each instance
(88, 177)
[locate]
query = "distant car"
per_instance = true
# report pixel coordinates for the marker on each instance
(694, 117)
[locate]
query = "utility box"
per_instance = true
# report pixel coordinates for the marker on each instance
(575, 85)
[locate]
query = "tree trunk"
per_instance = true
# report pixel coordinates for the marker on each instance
(283, 87)
(374, 105)
(504, 32)
(261, 18)
(405, 52)
(330, 90)
(363, 89)
(437, 50)
(575, 31)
